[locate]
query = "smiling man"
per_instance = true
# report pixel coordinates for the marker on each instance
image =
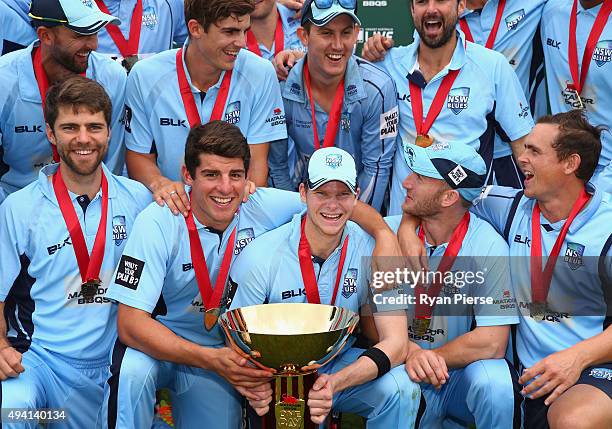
(317, 258)
(334, 98)
(67, 35)
(53, 278)
(210, 78)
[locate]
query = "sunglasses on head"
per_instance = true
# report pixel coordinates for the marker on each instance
(326, 4)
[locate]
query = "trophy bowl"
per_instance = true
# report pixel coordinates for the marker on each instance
(293, 340)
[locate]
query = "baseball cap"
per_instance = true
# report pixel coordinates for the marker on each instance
(329, 164)
(458, 164)
(81, 16)
(321, 12)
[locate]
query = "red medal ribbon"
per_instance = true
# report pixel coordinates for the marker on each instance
(572, 48)
(89, 267)
(189, 102)
(416, 102)
(334, 114)
(126, 47)
(279, 39)
(493, 34)
(540, 281)
(211, 298)
(424, 310)
(307, 268)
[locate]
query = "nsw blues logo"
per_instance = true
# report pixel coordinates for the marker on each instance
(119, 230)
(243, 237)
(601, 373)
(458, 99)
(295, 89)
(573, 255)
(512, 20)
(603, 52)
(232, 113)
(333, 160)
(349, 286)
(87, 3)
(149, 18)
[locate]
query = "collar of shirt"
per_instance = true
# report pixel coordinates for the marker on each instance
(582, 11)
(46, 185)
(439, 249)
(458, 59)
(294, 88)
(195, 90)
(294, 238)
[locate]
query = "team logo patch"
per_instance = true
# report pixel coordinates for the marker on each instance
(333, 160)
(119, 230)
(345, 121)
(277, 118)
(512, 20)
(457, 175)
(87, 3)
(149, 18)
(388, 123)
(458, 99)
(603, 52)
(129, 271)
(573, 255)
(232, 113)
(295, 89)
(602, 373)
(349, 286)
(351, 90)
(243, 237)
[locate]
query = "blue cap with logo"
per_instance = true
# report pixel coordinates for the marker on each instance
(81, 16)
(458, 164)
(330, 164)
(321, 12)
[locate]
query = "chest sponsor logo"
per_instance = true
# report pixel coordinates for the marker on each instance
(277, 117)
(119, 230)
(458, 99)
(293, 293)
(349, 285)
(513, 20)
(573, 255)
(149, 18)
(553, 43)
(603, 52)
(129, 272)
(522, 239)
(374, 3)
(389, 122)
(19, 129)
(171, 122)
(549, 315)
(345, 121)
(571, 99)
(232, 113)
(505, 300)
(55, 247)
(243, 237)
(601, 373)
(403, 97)
(429, 335)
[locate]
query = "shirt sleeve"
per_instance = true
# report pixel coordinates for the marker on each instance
(512, 111)
(267, 119)
(278, 161)
(12, 246)
(138, 135)
(140, 274)
(379, 132)
(249, 278)
(274, 207)
(494, 205)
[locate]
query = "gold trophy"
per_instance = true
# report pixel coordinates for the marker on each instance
(293, 340)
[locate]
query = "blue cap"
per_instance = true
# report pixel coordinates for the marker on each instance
(82, 17)
(457, 164)
(329, 164)
(329, 10)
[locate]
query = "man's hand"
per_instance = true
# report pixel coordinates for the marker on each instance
(376, 47)
(249, 189)
(427, 366)
(172, 194)
(555, 373)
(412, 247)
(10, 363)
(236, 370)
(320, 399)
(284, 61)
(259, 397)
(295, 5)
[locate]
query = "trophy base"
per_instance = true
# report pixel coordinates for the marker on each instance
(288, 408)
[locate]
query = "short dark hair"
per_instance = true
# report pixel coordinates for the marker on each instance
(577, 136)
(77, 92)
(215, 138)
(208, 12)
